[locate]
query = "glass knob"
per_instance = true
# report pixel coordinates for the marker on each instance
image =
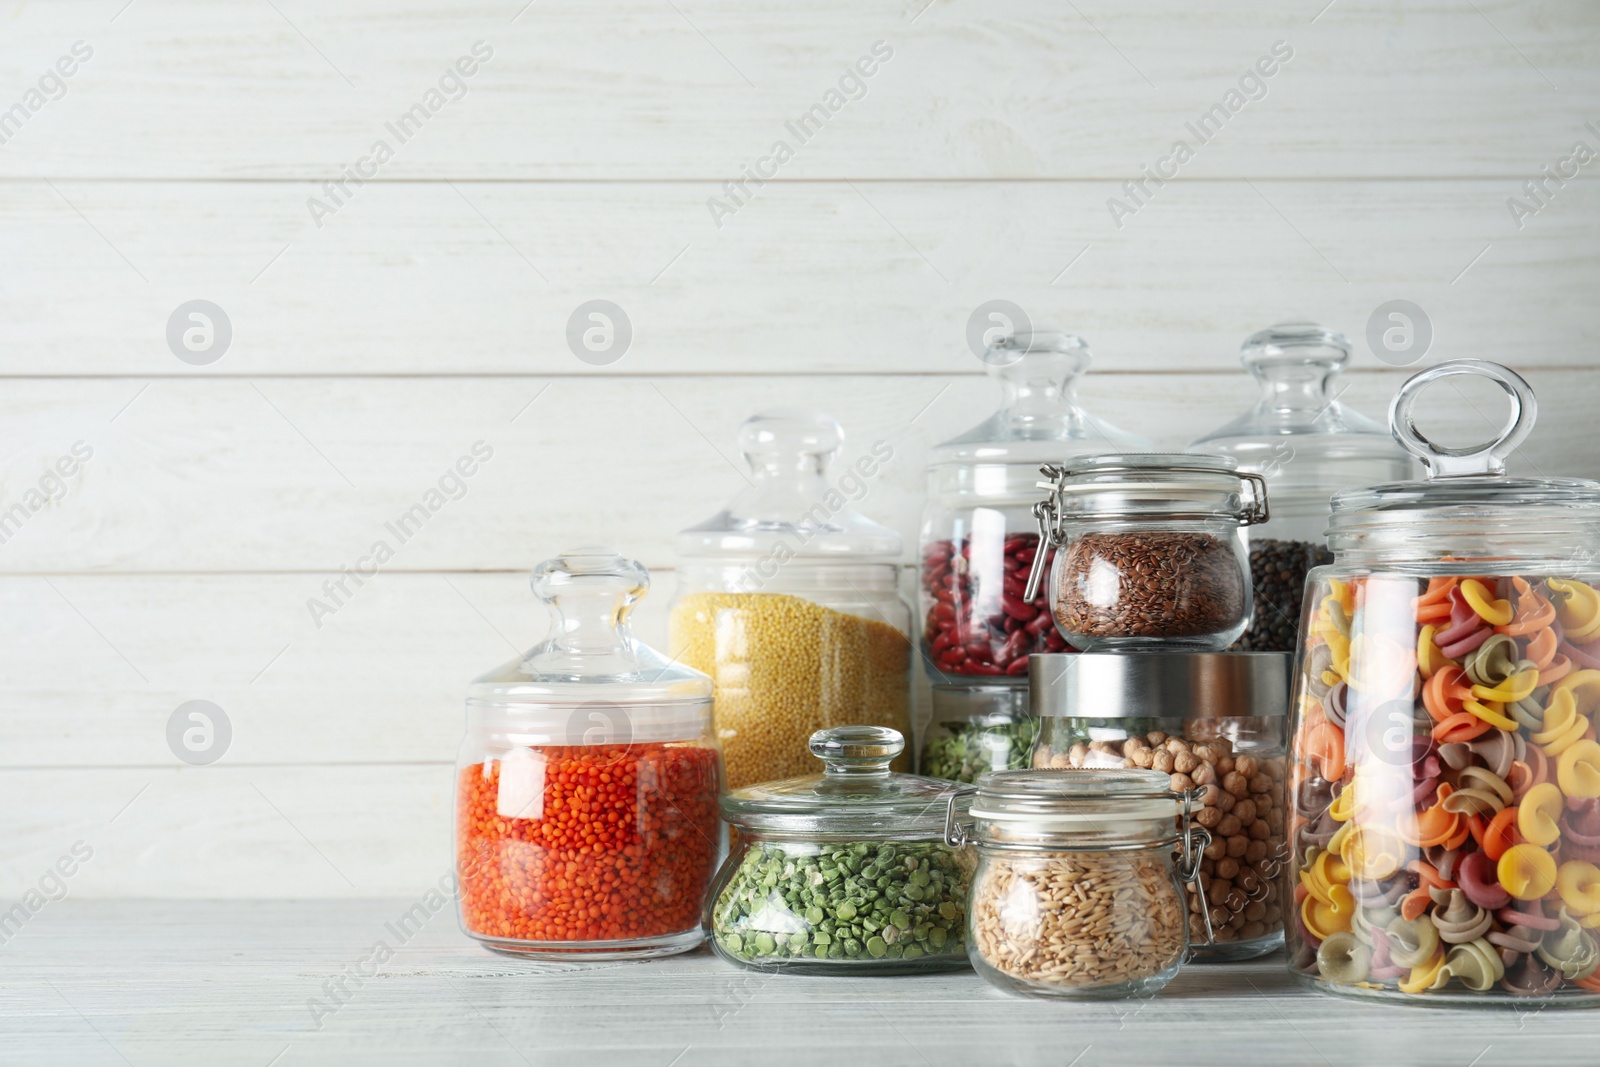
(857, 749)
(590, 592)
(779, 437)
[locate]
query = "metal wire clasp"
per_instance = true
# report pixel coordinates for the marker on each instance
(1196, 839)
(1046, 511)
(955, 833)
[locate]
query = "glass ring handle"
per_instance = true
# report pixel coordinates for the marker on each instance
(1490, 458)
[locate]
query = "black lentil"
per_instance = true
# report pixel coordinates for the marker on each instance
(1278, 574)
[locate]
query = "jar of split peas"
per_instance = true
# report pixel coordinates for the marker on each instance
(586, 789)
(1444, 773)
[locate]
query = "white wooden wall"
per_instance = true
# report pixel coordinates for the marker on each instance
(429, 313)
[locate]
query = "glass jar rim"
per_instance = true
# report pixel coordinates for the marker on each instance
(1154, 486)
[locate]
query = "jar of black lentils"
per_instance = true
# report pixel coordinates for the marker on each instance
(1307, 444)
(843, 872)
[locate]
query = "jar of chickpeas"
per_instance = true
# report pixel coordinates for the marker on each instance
(789, 599)
(1214, 723)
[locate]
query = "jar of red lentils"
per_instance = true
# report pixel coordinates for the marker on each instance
(586, 792)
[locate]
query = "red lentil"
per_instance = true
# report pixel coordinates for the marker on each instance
(624, 848)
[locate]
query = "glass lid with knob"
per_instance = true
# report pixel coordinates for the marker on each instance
(1039, 419)
(1299, 434)
(1469, 506)
(856, 794)
(591, 657)
(792, 503)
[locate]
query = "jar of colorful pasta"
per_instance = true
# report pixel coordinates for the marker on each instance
(1445, 778)
(586, 788)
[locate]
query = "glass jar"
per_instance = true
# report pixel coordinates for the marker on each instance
(586, 800)
(1445, 783)
(1307, 445)
(1150, 550)
(1077, 888)
(979, 535)
(789, 599)
(1214, 722)
(843, 872)
(976, 729)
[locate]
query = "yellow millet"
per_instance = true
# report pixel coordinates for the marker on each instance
(784, 667)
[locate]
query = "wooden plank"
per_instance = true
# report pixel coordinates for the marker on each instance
(633, 89)
(221, 831)
(812, 278)
(207, 982)
(308, 474)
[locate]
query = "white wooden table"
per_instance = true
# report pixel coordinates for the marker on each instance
(214, 983)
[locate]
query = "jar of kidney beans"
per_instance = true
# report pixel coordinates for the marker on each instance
(979, 535)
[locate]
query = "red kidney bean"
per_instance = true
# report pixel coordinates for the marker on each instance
(976, 629)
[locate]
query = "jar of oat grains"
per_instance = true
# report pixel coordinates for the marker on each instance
(1076, 892)
(789, 599)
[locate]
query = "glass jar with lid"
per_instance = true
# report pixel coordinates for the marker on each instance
(1149, 550)
(1077, 888)
(1444, 776)
(1307, 444)
(1216, 724)
(789, 599)
(978, 532)
(976, 729)
(843, 872)
(586, 788)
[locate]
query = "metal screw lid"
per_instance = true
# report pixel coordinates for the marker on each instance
(1189, 685)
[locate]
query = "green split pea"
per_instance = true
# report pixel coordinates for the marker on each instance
(851, 901)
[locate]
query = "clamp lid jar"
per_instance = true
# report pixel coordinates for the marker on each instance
(586, 803)
(978, 530)
(1076, 892)
(844, 871)
(1445, 780)
(1150, 550)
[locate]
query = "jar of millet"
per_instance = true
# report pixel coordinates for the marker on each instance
(586, 789)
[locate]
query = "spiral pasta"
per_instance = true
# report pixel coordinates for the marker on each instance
(1447, 822)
